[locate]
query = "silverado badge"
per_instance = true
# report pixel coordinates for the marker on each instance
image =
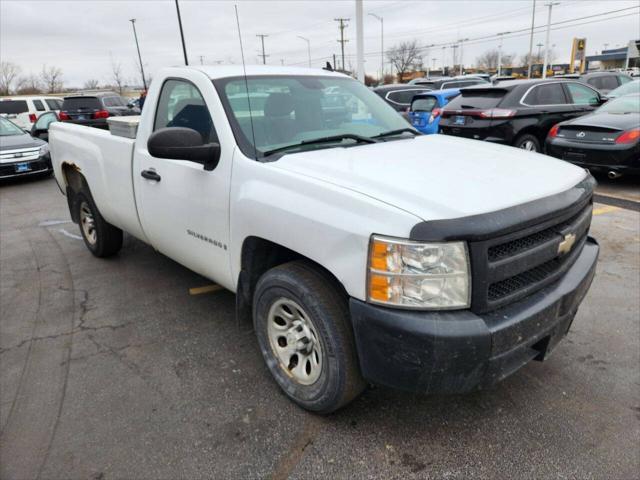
(567, 243)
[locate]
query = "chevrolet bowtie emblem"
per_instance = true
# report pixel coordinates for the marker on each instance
(567, 243)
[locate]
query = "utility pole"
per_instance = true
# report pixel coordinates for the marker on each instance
(359, 42)
(444, 54)
(539, 45)
(282, 62)
(428, 50)
(342, 41)
(533, 19)
(264, 57)
(201, 60)
(135, 35)
(454, 53)
(184, 47)
(334, 62)
(461, 67)
(308, 48)
(546, 45)
(381, 44)
(500, 52)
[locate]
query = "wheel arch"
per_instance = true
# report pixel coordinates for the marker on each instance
(259, 255)
(75, 182)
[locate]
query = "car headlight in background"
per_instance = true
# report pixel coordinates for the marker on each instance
(408, 274)
(44, 149)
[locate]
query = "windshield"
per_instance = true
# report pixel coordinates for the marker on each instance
(7, 128)
(626, 104)
(288, 110)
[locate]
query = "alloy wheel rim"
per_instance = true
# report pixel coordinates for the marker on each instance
(294, 341)
(528, 145)
(88, 223)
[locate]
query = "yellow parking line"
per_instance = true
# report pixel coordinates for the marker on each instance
(205, 289)
(605, 209)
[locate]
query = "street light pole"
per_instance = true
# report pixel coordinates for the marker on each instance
(135, 35)
(381, 44)
(533, 19)
(546, 44)
(500, 53)
(308, 48)
(184, 48)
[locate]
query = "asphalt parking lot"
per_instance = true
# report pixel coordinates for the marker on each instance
(126, 368)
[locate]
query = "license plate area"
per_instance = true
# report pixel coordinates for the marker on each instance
(22, 167)
(459, 120)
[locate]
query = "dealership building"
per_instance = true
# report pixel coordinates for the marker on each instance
(617, 57)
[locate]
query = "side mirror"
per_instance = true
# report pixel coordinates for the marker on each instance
(602, 99)
(40, 128)
(180, 143)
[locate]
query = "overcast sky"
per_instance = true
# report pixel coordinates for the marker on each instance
(82, 36)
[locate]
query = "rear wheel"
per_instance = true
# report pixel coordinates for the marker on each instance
(100, 237)
(528, 142)
(304, 332)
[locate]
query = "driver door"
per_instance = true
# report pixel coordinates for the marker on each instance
(183, 208)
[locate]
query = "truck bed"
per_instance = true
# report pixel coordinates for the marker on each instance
(105, 161)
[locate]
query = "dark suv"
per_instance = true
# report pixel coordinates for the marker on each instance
(602, 81)
(93, 110)
(444, 83)
(399, 95)
(517, 112)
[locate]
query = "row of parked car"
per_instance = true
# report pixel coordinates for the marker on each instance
(24, 122)
(566, 117)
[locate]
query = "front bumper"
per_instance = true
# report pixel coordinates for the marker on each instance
(18, 169)
(459, 351)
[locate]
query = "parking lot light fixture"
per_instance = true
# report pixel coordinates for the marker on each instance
(308, 48)
(135, 36)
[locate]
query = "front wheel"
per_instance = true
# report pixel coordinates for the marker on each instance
(528, 142)
(304, 332)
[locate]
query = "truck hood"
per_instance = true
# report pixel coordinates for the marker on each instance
(436, 176)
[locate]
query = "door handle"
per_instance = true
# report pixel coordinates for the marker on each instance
(151, 175)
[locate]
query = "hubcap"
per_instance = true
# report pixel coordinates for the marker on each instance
(294, 341)
(88, 223)
(529, 145)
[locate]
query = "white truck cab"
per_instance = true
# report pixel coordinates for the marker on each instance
(361, 250)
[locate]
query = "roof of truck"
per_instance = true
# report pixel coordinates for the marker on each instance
(223, 71)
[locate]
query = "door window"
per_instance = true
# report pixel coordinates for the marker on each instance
(53, 104)
(403, 97)
(583, 95)
(550, 94)
(39, 106)
(181, 105)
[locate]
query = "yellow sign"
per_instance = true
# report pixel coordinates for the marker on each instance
(578, 50)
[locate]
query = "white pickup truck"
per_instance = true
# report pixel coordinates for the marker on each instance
(361, 250)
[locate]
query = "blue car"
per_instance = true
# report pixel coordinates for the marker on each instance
(424, 113)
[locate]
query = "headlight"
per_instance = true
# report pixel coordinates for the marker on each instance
(44, 149)
(418, 275)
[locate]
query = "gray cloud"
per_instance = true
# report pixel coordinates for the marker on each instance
(82, 36)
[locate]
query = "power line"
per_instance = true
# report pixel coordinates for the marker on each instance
(342, 40)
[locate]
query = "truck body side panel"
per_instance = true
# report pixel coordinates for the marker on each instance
(329, 224)
(104, 161)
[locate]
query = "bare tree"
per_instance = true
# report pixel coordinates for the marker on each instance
(52, 78)
(116, 76)
(8, 75)
(535, 58)
(29, 85)
(404, 57)
(489, 59)
(91, 84)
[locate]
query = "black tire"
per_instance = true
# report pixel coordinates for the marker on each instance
(528, 140)
(326, 306)
(107, 240)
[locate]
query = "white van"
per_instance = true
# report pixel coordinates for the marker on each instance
(23, 110)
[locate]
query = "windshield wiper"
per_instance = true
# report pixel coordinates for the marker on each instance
(332, 138)
(391, 133)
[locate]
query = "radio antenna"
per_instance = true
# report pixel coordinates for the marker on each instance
(246, 86)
